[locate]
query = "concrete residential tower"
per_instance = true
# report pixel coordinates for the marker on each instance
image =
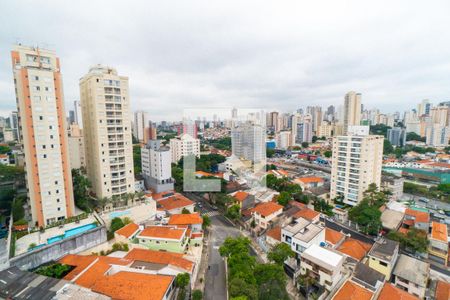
(157, 167)
(357, 162)
(107, 131)
(42, 128)
(352, 110)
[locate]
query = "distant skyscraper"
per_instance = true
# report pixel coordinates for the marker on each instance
(156, 167)
(188, 127)
(437, 135)
(352, 110)
(141, 125)
(107, 131)
(304, 132)
(14, 124)
(78, 114)
(76, 147)
(71, 117)
(316, 114)
(424, 107)
(397, 136)
(357, 161)
(38, 83)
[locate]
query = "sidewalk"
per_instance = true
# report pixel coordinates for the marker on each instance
(200, 284)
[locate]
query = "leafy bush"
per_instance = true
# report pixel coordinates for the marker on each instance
(55, 271)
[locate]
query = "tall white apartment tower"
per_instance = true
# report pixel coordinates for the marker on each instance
(356, 163)
(105, 105)
(352, 110)
(78, 115)
(157, 166)
(42, 128)
(141, 126)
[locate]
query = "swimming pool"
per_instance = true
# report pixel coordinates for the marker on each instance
(71, 232)
(116, 214)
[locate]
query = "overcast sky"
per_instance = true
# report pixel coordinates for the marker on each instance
(268, 54)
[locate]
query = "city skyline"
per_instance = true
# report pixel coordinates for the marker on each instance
(222, 63)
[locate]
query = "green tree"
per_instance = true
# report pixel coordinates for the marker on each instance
(116, 224)
(55, 270)
(4, 149)
(270, 153)
(197, 295)
(415, 239)
(283, 198)
(233, 212)
(182, 280)
(328, 153)
(412, 136)
(137, 159)
(81, 187)
(387, 147)
(280, 253)
(17, 208)
(305, 145)
(206, 222)
(367, 216)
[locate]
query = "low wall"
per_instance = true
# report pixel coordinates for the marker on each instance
(55, 251)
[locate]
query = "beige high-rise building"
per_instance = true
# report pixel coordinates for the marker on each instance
(440, 115)
(182, 146)
(76, 147)
(325, 129)
(105, 105)
(141, 126)
(42, 126)
(352, 110)
(356, 163)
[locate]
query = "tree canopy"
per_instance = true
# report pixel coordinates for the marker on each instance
(280, 253)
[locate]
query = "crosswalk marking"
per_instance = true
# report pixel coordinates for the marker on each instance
(211, 213)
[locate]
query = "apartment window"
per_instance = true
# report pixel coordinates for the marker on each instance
(47, 88)
(51, 136)
(44, 156)
(57, 191)
(36, 88)
(37, 98)
(56, 181)
(383, 263)
(41, 118)
(59, 208)
(57, 200)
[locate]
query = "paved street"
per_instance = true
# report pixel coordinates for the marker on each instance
(3, 254)
(215, 286)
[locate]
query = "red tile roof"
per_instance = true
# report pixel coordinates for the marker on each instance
(354, 248)
(275, 233)
(174, 202)
(439, 232)
(128, 230)
(442, 290)
(160, 257)
(267, 208)
(240, 196)
(185, 219)
(307, 213)
(309, 179)
(163, 232)
(133, 286)
(390, 292)
(332, 236)
(419, 216)
(352, 291)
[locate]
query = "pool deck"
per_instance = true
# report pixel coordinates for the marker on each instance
(139, 213)
(38, 238)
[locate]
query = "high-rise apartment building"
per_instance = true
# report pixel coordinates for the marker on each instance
(352, 110)
(304, 132)
(183, 146)
(42, 127)
(141, 126)
(248, 141)
(76, 147)
(440, 115)
(424, 107)
(284, 139)
(397, 136)
(14, 124)
(188, 127)
(78, 115)
(437, 135)
(105, 104)
(156, 167)
(356, 163)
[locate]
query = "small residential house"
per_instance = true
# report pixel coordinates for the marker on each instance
(273, 236)
(352, 291)
(438, 241)
(193, 221)
(243, 199)
(354, 249)
(302, 234)
(415, 218)
(390, 292)
(175, 204)
(265, 213)
(333, 238)
(383, 256)
(367, 277)
(166, 238)
(411, 275)
(307, 183)
(126, 233)
(323, 265)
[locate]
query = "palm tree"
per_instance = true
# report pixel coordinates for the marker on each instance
(102, 202)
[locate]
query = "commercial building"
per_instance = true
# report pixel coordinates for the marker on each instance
(397, 136)
(141, 126)
(42, 126)
(105, 105)
(356, 163)
(156, 167)
(183, 146)
(352, 110)
(323, 265)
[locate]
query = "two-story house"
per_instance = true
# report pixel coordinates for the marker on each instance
(411, 275)
(322, 264)
(383, 255)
